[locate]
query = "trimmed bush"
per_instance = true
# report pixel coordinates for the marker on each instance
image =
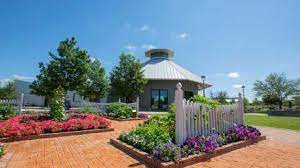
(119, 110)
(7, 112)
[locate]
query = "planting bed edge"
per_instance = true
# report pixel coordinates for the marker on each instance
(124, 119)
(58, 134)
(149, 159)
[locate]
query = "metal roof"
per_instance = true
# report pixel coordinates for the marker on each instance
(162, 68)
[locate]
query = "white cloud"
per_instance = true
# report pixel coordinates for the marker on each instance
(182, 36)
(145, 28)
(148, 46)
(130, 47)
(25, 78)
(233, 75)
(237, 86)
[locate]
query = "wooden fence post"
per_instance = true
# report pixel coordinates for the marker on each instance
(241, 108)
(20, 104)
(180, 116)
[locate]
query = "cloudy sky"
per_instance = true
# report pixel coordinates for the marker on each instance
(232, 42)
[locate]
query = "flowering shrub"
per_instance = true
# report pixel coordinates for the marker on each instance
(238, 133)
(143, 115)
(168, 151)
(201, 144)
(25, 125)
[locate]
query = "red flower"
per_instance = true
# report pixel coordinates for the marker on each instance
(25, 125)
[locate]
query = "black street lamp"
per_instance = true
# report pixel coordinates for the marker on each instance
(203, 80)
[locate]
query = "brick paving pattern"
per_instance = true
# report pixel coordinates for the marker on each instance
(93, 150)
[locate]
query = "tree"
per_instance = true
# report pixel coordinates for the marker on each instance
(127, 79)
(276, 88)
(296, 101)
(96, 86)
(221, 97)
(67, 70)
(256, 102)
(8, 91)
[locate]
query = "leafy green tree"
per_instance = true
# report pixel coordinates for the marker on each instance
(256, 102)
(97, 84)
(67, 70)
(220, 96)
(276, 88)
(296, 101)
(8, 91)
(127, 79)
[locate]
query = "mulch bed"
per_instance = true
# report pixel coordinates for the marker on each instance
(58, 134)
(153, 162)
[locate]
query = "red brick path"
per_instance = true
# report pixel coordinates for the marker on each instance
(93, 150)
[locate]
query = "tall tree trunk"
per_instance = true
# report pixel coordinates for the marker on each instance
(280, 104)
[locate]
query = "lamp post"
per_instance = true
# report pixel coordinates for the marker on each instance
(243, 87)
(203, 80)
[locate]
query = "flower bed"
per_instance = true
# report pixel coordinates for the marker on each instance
(27, 126)
(187, 161)
(156, 139)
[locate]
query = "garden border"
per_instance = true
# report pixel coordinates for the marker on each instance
(57, 134)
(125, 119)
(184, 161)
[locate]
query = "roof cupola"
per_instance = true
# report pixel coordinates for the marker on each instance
(159, 53)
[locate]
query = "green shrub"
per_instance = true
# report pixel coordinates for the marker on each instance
(172, 108)
(88, 110)
(206, 101)
(119, 110)
(146, 137)
(7, 112)
(158, 130)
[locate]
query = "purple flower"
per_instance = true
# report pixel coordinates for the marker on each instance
(143, 116)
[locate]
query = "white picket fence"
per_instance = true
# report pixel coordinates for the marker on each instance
(101, 107)
(16, 103)
(194, 119)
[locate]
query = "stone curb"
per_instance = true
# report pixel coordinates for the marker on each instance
(58, 134)
(185, 161)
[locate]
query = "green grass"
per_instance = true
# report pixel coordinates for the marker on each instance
(274, 121)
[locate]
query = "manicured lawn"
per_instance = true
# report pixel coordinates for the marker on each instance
(273, 121)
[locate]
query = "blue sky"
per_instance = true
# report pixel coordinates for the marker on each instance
(232, 42)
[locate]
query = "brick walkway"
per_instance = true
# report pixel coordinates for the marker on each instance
(93, 150)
